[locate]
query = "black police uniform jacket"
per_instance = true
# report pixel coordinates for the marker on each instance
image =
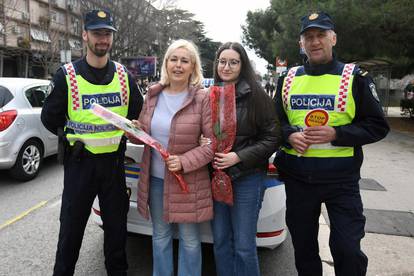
(368, 126)
(54, 112)
(255, 142)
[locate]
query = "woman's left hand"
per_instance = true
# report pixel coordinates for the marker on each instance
(224, 160)
(204, 141)
(173, 163)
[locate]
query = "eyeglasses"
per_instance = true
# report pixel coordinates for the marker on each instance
(233, 63)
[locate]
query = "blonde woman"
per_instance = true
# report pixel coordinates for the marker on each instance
(176, 112)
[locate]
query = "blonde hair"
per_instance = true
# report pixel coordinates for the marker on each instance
(196, 77)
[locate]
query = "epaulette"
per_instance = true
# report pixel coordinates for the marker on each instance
(362, 72)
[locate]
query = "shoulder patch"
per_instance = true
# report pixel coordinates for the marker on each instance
(50, 88)
(374, 91)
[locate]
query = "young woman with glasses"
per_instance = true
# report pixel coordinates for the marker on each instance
(257, 138)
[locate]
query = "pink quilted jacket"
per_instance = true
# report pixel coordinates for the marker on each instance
(192, 120)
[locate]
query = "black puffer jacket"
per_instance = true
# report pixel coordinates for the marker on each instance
(254, 143)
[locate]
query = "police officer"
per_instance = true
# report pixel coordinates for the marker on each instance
(328, 110)
(94, 163)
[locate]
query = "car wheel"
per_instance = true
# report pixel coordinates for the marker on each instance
(28, 161)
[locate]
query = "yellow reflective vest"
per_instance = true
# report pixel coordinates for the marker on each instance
(97, 135)
(327, 99)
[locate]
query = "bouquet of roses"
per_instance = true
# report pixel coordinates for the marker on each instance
(138, 133)
(223, 113)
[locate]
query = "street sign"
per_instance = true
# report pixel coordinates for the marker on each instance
(281, 65)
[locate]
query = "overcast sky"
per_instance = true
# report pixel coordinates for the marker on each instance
(222, 19)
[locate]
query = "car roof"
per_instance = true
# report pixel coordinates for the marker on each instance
(13, 83)
(18, 85)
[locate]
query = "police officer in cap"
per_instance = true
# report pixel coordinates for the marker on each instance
(94, 152)
(328, 111)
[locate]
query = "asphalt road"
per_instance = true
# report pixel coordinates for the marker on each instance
(28, 242)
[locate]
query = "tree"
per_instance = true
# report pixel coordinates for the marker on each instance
(136, 22)
(180, 24)
(366, 29)
(208, 49)
(144, 30)
(45, 44)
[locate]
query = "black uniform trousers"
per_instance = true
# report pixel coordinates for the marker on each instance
(84, 178)
(345, 211)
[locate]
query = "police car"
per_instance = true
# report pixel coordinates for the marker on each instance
(271, 227)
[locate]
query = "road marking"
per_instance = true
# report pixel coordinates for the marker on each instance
(53, 205)
(22, 215)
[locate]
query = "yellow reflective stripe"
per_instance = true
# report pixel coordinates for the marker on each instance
(81, 128)
(325, 146)
(97, 142)
(323, 153)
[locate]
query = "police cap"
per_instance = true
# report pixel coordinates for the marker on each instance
(99, 19)
(319, 20)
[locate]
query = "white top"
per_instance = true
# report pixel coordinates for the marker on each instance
(167, 106)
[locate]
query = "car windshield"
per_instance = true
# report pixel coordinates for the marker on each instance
(5, 96)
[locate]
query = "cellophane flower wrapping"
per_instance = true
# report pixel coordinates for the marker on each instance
(223, 113)
(138, 133)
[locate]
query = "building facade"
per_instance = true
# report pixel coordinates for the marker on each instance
(36, 36)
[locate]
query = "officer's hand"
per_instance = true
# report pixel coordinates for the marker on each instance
(319, 134)
(224, 160)
(298, 142)
(132, 139)
(136, 123)
(173, 163)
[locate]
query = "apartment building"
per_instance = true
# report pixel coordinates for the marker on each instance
(36, 36)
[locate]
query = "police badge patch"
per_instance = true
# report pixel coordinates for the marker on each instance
(313, 16)
(374, 91)
(50, 88)
(102, 14)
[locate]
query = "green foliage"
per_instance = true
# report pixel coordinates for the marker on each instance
(369, 29)
(180, 24)
(207, 48)
(144, 30)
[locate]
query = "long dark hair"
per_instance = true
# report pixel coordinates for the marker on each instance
(258, 98)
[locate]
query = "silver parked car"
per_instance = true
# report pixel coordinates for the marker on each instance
(24, 141)
(271, 227)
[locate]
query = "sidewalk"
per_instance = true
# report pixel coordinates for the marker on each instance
(387, 255)
(400, 122)
(393, 111)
